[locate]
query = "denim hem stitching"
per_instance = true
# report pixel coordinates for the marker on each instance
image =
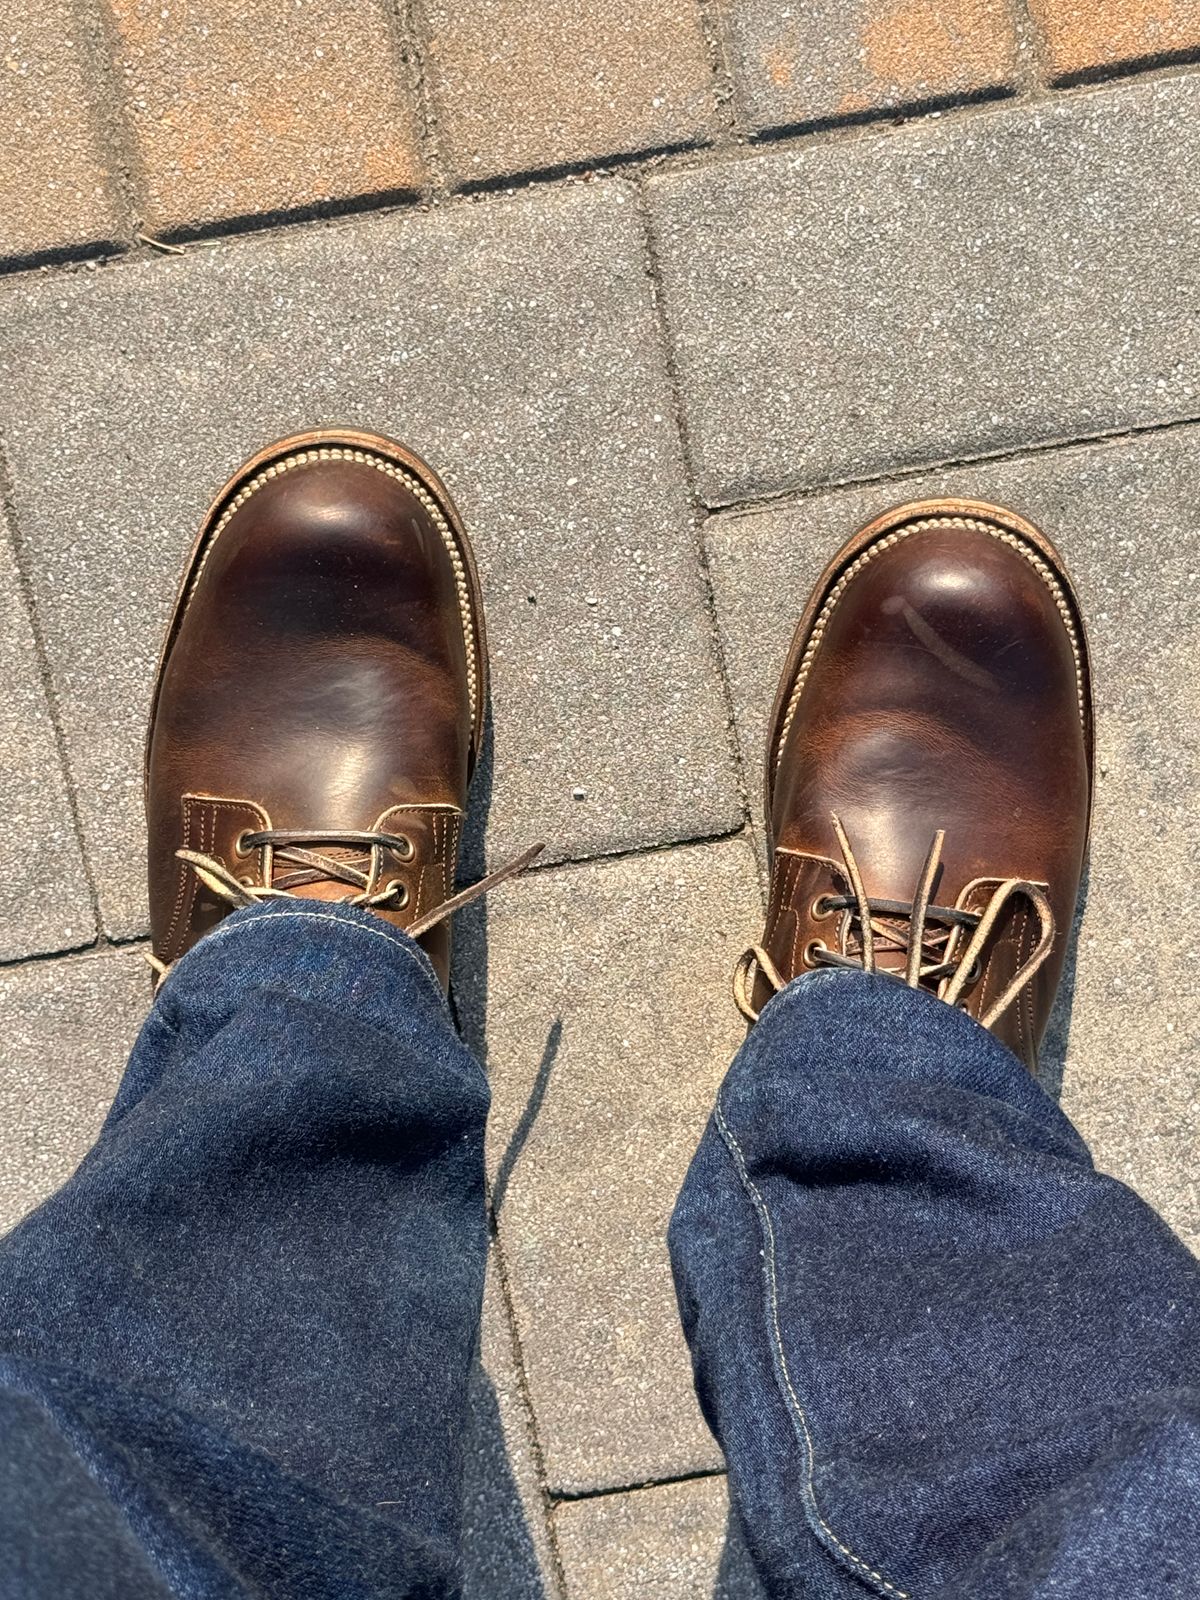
(318, 916)
(861, 1568)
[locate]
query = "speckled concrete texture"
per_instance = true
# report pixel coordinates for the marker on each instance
(1088, 37)
(516, 349)
(602, 996)
(67, 1028)
(521, 88)
(936, 292)
(47, 901)
(830, 60)
(240, 107)
(671, 1542)
(57, 190)
(1124, 515)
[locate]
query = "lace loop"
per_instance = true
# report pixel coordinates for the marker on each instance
(929, 943)
(291, 846)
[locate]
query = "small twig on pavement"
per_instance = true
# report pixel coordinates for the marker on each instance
(160, 244)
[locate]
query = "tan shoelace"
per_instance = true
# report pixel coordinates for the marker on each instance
(926, 936)
(292, 846)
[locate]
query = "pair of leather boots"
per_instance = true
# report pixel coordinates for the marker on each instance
(320, 703)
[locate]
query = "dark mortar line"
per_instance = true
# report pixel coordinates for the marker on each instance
(614, 165)
(636, 167)
(22, 561)
(1163, 64)
(679, 416)
(413, 33)
(635, 852)
(95, 253)
(566, 1497)
(285, 219)
(723, 512)
(876, 119)
(532, 1433)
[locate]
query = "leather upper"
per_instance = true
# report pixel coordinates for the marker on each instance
(939, 682)
(324, 671)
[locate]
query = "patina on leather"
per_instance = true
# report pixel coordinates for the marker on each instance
(320, 698)
(928, 785)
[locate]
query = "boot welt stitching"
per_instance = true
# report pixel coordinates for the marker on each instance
(861, 1567)
(414, 486)
(885, 542)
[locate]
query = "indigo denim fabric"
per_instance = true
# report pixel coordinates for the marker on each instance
(234, 1348)
(945, 1357)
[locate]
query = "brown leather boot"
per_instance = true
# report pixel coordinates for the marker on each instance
(320, 697)
(929, 769)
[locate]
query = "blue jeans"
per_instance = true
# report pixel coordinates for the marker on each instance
(944, 1357)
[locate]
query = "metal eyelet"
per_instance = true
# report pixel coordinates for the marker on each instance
(239, 844)
(402, 896)
(820, 908)
(247, 882)
(409, 850)
(810, 950)
(975, 971)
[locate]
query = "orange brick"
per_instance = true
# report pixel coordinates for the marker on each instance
(823, 60)
(523, 87)
(241, 107)
(1084, 36)
(55, 188)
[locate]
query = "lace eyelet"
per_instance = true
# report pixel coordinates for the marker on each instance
(239, 844)
(810, 950)
(409, 850)
(247, 882)
(402, 895)
(820, 909)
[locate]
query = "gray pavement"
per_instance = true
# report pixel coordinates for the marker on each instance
(662, 397)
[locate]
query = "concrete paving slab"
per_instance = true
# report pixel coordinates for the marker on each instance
(829, 60)
(47, 901)
(522, 88)
(57, 193)
(600, 995)
(1082, 38)
(244, 107)
(68, 1027)
(507, 1552)
(1124, 515)
(514, 344)
(671, 1542)
(936, 292)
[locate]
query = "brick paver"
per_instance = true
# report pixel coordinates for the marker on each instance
(57, 192)
(47, 902)
(831, 60)
(602, 995)
(1088, 37)
(666, 1543)
(517, 349)
(937, 292)
(521, 87)
(241, 107)
(1125, 517)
